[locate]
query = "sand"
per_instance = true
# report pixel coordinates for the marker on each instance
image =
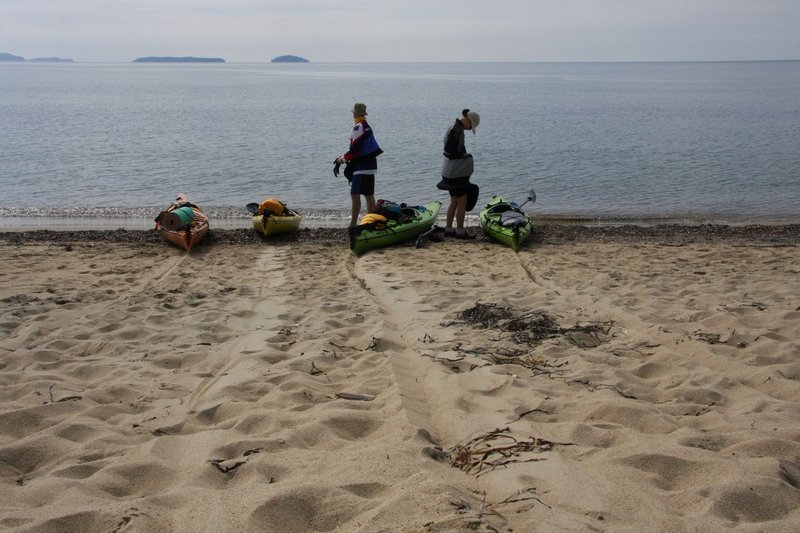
(599, 380)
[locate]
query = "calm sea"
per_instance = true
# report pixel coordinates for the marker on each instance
(691, 142)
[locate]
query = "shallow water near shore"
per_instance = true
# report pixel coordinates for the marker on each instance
(597, 141)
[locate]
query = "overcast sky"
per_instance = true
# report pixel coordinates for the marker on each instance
(404, 30)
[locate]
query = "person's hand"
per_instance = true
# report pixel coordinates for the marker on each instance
(340, 160)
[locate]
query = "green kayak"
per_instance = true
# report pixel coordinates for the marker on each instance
(413, 221)
(505, 222)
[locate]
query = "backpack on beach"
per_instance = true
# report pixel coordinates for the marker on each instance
(272, 206)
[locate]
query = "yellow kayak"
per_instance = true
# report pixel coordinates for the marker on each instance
(272, 217)
(269, 224)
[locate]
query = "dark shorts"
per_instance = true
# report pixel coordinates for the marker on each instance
(457, 187)
(363, 184)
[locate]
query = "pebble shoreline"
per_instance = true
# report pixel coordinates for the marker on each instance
(668, 234)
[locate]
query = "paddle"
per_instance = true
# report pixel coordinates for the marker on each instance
(516, 221)
(432, 234)
(531, 198)
(253, 208)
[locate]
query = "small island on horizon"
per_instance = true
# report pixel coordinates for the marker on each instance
(169, 59)
(11, 57)
(289, 59)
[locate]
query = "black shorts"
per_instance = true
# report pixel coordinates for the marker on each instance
(363, 184)
(457, 187)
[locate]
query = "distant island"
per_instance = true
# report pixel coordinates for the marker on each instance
(10, 57)
(50, 60)
(179, 60)
(289, 59)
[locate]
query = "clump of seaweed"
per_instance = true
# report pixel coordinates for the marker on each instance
(710, 338)
(495, 449)
(485, 315)
(588, 335)
(533, 327)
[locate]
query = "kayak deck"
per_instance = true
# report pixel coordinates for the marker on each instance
(506, 223)
(268, 225)
(416, 220)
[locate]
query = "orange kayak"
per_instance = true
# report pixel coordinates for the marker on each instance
(183, 224)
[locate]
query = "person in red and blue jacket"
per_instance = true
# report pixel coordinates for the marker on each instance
(361, 162)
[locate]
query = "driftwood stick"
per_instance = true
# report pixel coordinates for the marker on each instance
(354, 396)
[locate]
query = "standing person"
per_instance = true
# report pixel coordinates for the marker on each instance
(361, 162)
(457, 168)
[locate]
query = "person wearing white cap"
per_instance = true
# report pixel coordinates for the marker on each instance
(457, 168)
(361, 162)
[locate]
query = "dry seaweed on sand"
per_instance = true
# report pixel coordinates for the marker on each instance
(496, 356)
(521, 496)
(533, 327)
(710, 338)
(495, 449)
(485, 315)
(597, 386)
(229, 465)
(588, 335)
(537, 365)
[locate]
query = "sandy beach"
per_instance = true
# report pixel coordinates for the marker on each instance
(602, 379)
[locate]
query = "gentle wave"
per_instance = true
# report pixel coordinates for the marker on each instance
(230, 217)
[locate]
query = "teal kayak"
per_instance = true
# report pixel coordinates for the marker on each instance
(413, 221)
(505, 222)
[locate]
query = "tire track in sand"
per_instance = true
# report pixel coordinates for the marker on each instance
(401, 309)
(263, 313)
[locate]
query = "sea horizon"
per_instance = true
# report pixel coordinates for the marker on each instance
(405, 61)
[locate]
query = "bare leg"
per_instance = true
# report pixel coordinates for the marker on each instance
(371, 205)
(451, 212)
(461, 211)
(356, 199)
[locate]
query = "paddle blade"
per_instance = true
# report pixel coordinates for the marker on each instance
(253, 208)
(531, 198)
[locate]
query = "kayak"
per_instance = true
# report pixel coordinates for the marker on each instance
(270, 224)
(505, 222)
(413, 221)
(182, 223)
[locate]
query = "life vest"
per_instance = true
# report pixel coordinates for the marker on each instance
(363, 150)
(373, 220)
(271, 206)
